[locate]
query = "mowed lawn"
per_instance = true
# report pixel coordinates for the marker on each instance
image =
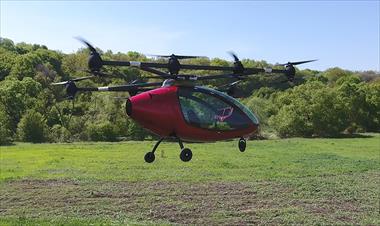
(289, 181)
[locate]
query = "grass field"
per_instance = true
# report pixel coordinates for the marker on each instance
(290, 181)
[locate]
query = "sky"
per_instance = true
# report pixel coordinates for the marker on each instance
(338, 33)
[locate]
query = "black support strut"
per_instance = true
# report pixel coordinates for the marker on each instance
(180, 143)
(156, 145)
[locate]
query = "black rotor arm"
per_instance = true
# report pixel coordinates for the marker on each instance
(139, 64)
(72, 89)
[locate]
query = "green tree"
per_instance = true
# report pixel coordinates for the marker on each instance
(18, 96)
(352, 95)
(7, 59)
(311, 109)
(333, 74)
(7, 44)
(372, 99)
(5, 128)
(32, 128)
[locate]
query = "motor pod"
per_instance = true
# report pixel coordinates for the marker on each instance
(290, 72)
(71, 90)
(95, 62)
(235, 92)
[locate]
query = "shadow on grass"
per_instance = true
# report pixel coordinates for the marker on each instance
(355, 135)
(343, 136)
(8, 144)
(339, 136)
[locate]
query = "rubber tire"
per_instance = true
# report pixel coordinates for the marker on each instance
(242, 144)
(186, 155)
(149, 157)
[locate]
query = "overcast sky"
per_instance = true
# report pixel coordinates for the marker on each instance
(338, 33)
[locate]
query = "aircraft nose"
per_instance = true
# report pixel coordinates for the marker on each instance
(128, 107)
(139, 105)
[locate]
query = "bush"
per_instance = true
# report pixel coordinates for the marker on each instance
(78, 128)
(102, 131)
(5, 137)
(59, 133)
(312, 109)
(32, 128)
(136, 132)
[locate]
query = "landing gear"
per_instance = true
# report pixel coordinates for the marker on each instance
(149, 157)
(186, 155)
(242, 144)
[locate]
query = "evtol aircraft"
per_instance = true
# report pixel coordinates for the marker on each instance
(177, 107)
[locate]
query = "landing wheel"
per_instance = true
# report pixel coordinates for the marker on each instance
(242, 144)
(186, 154)
(149, 157)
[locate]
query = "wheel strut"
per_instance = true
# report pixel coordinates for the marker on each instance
(149, 157)
(186, 153)
(156, 145)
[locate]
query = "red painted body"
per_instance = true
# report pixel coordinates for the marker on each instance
(159, 111)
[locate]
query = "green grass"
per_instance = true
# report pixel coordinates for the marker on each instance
(290, 181)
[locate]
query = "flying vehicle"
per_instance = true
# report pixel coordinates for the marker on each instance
(179, 108)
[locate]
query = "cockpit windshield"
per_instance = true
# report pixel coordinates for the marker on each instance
(211, 109)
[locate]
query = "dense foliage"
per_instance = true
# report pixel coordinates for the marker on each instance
(317, 103)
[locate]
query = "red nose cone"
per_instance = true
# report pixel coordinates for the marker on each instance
(154, 110)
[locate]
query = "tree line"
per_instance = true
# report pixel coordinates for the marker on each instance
(318, 103)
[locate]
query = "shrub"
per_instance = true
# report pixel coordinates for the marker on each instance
(102, 131)
(32, 128)
(136, 132)
(312, 109)
(59, 133)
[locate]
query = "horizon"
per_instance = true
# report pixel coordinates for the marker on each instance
(207, 28)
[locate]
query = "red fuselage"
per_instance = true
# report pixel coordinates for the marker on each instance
(191, 113)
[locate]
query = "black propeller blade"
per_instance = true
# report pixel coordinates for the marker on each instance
(179, 57)
(238, 66)
(290, 70)
(296, 63)
(90, 47)
(229, 85)
(72, 80)
(71, 88)
(95, 62)
(234, 56)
